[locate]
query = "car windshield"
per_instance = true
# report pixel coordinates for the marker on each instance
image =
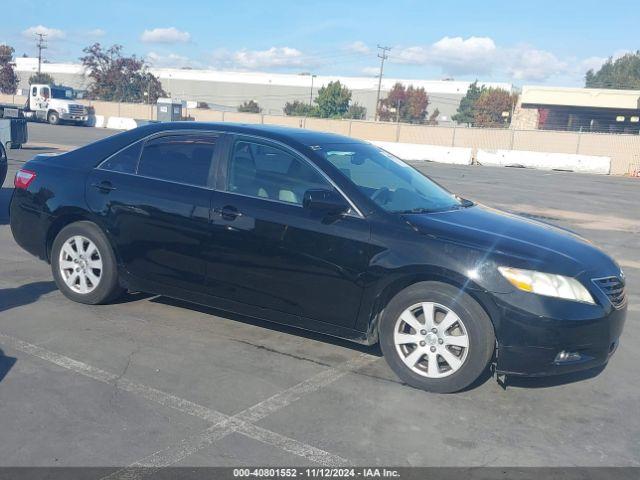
(388, 181)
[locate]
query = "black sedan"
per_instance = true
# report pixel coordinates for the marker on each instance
(325, 233)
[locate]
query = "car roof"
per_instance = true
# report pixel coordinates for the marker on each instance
(275, 132)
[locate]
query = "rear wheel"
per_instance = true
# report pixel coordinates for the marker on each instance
(436, 338)
(83, 264)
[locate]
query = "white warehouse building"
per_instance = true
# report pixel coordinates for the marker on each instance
(225, 90)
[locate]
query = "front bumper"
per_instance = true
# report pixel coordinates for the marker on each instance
(533, 330)
(73, 117)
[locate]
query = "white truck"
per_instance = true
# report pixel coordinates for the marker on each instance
(53, 104)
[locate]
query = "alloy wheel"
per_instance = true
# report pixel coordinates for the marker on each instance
(80, 264)
(431, 340)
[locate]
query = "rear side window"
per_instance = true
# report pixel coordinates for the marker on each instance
(125, 161)
(179, 158)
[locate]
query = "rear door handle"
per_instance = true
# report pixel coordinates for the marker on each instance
(228, 212)
(104, 186)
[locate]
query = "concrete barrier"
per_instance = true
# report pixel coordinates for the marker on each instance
(121, 123)
(430, 153)
(545, 161)
(97, 121)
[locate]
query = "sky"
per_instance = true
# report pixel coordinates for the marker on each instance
(521, 42)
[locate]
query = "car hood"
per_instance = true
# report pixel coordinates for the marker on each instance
(521, 241)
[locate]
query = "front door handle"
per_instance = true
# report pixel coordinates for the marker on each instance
(105, 186)
(228, 212)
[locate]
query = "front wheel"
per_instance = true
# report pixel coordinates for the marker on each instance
(53, 118)
(436, 337)
(83, 264)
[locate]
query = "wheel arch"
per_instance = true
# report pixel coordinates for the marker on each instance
(62, 221)
(452, 278)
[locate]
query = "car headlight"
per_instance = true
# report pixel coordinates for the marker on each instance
(548, 284)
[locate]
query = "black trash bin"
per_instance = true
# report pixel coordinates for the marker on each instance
(13, 132)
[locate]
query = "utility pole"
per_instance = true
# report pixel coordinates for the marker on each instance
(382, 58)
(42, 45)
(311, 92)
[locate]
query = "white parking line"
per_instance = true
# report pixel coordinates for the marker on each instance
(242, 422)
(223, 425)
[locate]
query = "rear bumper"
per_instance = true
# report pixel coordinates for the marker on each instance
(529, 343)
(29, 225)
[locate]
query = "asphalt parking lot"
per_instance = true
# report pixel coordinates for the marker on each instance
(156, 382)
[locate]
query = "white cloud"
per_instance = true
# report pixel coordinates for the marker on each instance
(274, 57)
(358, 47)
(531, 64)
(165, 35)
(455, 55)
(96, 32)
(476, 56)
(51, 33)
(170, 60)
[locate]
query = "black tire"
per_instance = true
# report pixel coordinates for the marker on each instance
(479, 330)
(4, 165)
(108, 287)
(53, 118)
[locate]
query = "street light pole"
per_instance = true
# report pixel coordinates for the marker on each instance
(382, 58)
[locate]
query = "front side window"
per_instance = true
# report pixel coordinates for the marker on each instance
(263, 171)
(391, 183)
(178, 158)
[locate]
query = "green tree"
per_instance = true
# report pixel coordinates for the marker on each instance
(622, 73)
(402, 104)
(467, 104)
(300, 109)
(250, 107)
(43, 78)
(8, 77)
(333, 100)
(115, 77)
(356, 112)
(490, 108)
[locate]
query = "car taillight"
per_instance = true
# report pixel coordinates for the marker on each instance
(23, 179)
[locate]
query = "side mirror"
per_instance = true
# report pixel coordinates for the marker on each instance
(326, 201)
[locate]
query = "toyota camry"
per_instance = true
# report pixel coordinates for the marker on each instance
(325, 233)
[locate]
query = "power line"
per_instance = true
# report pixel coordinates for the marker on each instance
(382, 58)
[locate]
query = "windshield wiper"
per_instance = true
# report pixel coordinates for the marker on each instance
(414, 210)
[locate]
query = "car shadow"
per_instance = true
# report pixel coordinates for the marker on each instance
(5, 198)
(488, 374)
(129, 297)
(24, 294)
(6, 363)
(372, 350)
